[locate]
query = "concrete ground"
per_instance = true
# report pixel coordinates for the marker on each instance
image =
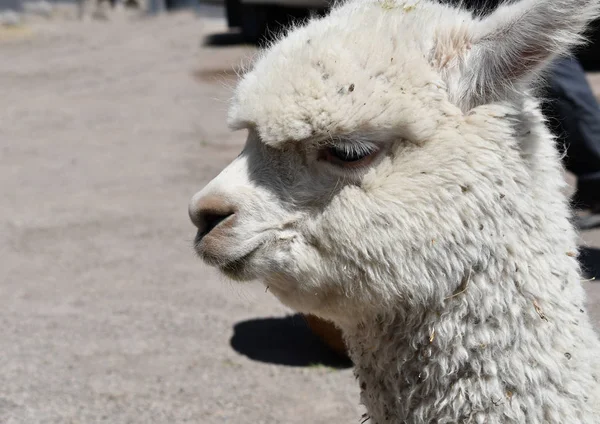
(106, 130)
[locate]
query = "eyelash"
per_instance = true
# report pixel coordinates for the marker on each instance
(349, 156)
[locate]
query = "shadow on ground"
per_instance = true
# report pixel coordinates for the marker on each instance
(284, 341)
(590, 262)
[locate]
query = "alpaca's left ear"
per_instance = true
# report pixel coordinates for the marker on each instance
(512, 45)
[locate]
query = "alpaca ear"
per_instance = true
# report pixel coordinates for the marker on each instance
(513, 44)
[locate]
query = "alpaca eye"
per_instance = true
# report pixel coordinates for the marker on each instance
(348, 156)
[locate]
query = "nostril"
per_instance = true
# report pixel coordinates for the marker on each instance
(212, 219)
(207, 212)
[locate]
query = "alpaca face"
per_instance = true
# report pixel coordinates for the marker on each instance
(382, 160)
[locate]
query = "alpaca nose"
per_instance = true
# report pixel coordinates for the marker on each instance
(207, 212)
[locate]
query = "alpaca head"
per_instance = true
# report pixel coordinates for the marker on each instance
(385, 152)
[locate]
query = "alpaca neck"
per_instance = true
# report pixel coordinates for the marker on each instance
(480, 350)
(400, 363)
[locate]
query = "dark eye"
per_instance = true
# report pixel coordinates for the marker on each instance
(348, 156)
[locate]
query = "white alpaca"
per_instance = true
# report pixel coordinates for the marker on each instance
(399, 180)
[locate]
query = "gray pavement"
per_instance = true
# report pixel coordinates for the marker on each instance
(106, 316)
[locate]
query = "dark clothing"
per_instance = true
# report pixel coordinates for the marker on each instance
(479, 7)
(574, 116)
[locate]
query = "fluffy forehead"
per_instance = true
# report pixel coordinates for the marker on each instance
(364, 67)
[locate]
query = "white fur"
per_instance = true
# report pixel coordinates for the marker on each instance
(449, 262)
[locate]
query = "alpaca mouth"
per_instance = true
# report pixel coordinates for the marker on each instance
(236, 268)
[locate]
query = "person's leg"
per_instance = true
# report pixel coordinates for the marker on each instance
(574, 115)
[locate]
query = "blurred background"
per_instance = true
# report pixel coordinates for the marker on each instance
(112, 115)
